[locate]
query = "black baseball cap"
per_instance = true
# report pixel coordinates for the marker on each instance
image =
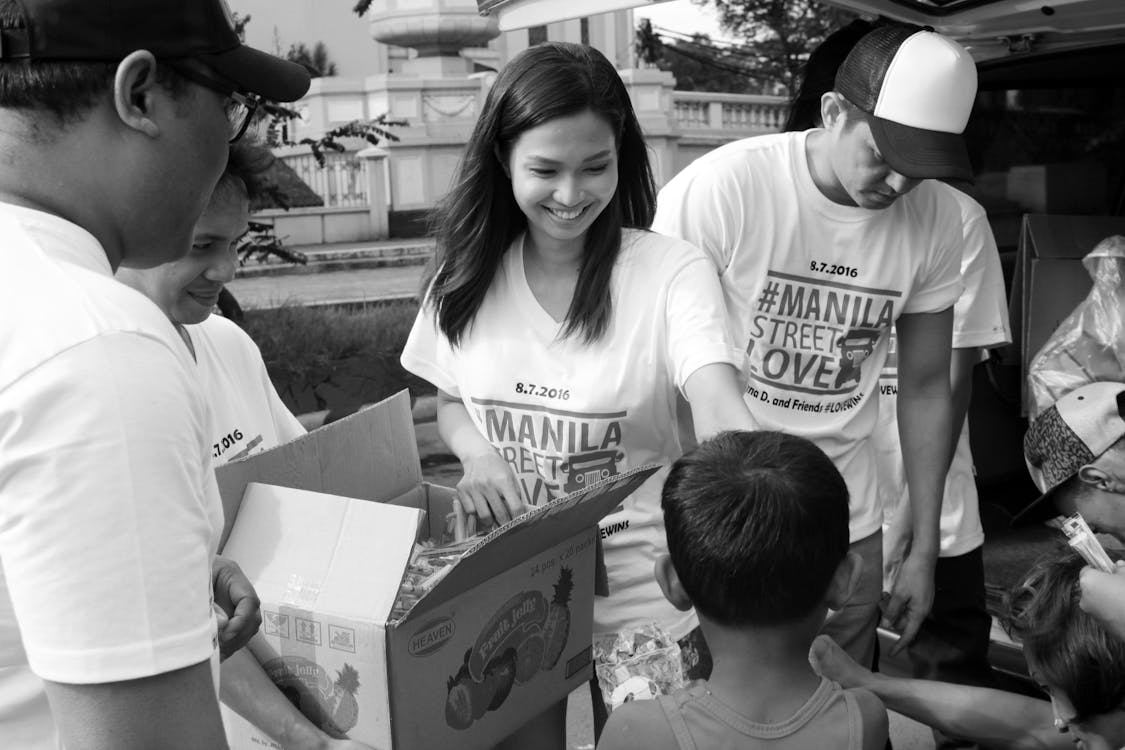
(1073, 432)
(919, 88)
(109, 30)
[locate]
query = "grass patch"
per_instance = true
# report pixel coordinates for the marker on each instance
(335, 358)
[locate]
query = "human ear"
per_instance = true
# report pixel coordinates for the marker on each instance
(133, 87)
(831, 111)
(844, 581)
(1096, 477)
(669, 583)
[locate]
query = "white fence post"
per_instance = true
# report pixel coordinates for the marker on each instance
(376, 160)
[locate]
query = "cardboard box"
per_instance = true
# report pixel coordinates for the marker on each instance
(504, 635)
(1050, 279)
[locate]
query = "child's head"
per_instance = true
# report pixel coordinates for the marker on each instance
(557, 151)
(1081, 666)
(757, 526)
(187, 289)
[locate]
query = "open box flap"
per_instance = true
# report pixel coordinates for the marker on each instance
(337, 556)
(533, 532)
(370, 455)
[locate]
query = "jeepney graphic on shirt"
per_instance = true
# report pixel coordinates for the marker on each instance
(811, 339)
(553, 451)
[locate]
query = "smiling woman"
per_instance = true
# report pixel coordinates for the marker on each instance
(552, 307)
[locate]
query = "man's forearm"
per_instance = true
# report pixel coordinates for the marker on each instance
(925, 421)
(247, 690)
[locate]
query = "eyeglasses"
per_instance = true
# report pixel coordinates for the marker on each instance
(239, 107)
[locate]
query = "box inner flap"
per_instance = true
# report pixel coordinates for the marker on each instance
(336, 556)
(370, 455)
(533, 532)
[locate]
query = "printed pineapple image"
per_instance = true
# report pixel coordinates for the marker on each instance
(556, 629)
(343, 706)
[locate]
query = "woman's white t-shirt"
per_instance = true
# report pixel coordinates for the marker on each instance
(564, 413)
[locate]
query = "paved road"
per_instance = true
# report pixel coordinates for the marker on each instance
(329, 286)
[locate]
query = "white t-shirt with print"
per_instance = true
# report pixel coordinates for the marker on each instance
(980, 321)
(813, 288)
(247, 414)
(109, 513)
(564, 413)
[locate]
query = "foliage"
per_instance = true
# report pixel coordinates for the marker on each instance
(373, 131)
(335, 358)
(315, 61)
(361, 7)
(260, 242)
(240, 22)
(779, 34)
(695, 61)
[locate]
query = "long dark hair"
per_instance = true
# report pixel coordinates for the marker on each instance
(479, 219)
(820, 73)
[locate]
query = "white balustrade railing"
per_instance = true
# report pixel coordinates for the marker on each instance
(341, 182)
(736, 115)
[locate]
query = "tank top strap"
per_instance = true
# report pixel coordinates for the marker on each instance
(675, 718)
(855, 721)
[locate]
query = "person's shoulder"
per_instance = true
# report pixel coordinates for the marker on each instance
(227, 337)
(737, 160)
(656, 257)
(934, 195)
(637, 725)
(217, 325)
(872, 718)
(652, 245)
(970, 207)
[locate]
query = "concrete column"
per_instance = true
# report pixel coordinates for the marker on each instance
(375, 160)
(651, 92)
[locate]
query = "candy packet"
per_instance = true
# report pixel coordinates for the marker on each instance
(637, 665)
(431, 560)
(1081, 538)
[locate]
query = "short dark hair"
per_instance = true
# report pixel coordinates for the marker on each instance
(757, 525)
(1073, 651)
(480, 218)
(247, 165)
(66, 88)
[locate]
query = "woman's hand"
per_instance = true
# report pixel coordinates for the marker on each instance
(489, 488)
(1103, 597)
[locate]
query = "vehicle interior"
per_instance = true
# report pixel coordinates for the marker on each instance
(1047, 140)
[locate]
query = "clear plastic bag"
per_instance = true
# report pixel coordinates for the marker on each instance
(1089, 344)
(637, 665)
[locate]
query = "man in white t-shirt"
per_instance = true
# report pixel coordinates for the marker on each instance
(824, 239)
(109, 515)
(247, 415)
(952, 644)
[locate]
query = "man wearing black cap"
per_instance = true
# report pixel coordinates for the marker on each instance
(115, 117)
(823, 239)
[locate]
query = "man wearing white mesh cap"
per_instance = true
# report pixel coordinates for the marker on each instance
(825, 238)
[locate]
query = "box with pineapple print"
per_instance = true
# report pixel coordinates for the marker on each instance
(505, 634)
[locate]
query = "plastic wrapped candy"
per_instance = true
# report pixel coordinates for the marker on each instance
(1081, 538)
(1089, 345)
(637, 665)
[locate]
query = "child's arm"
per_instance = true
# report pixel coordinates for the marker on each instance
(637, 725)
